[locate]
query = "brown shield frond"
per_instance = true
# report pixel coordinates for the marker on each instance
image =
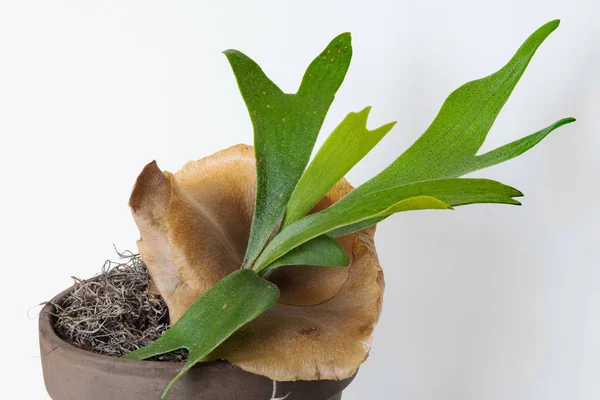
(194, 228)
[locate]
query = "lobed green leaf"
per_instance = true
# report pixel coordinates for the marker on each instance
(285, 129)
(344, 147)
(449, 146)
(234, 301)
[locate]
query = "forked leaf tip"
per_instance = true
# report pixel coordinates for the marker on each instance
(366, 110)
(185, 369)
(164, 393)
(514, 192)
(390, 124)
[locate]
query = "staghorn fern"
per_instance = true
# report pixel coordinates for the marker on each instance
(426, 176)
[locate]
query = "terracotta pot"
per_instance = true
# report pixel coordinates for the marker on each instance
(71, 373)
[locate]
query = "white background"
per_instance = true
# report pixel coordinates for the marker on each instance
(486, 302)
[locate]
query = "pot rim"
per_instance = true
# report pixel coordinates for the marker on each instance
(71, 372)
(50, 342)
(49, 334)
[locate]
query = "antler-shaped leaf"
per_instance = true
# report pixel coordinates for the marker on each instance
(449, 146)
(344, 147)
(285, 129)
(342, 150)
(213, 318)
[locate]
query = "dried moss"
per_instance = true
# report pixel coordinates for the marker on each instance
(113, 313)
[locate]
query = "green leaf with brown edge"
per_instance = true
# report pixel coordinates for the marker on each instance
(435, 194)
(323, 251)
(234, 301)
(449, 146)
(344, 147)
(285, 129)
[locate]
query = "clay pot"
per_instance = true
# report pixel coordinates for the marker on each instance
(71, 373)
